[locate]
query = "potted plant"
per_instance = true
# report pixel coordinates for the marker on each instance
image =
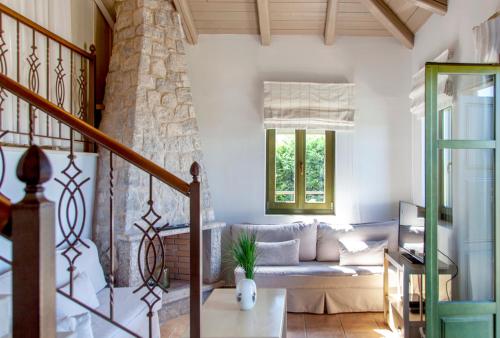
(244, 255)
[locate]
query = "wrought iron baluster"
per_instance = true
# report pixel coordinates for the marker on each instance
(33, 84)
(150, 274)
(71, 229)
(82, 90)
(34, 63)
(111, 239)
(60, 88)
(3, 68)
(71, 82)
(48, 84)
(18, 76)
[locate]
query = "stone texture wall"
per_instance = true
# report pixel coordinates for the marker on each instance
(148, 108)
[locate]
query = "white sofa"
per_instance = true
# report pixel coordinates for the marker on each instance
(75, 321)
(318, 284)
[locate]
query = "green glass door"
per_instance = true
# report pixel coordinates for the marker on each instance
(462, 204)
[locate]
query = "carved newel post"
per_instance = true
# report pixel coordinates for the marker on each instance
(33, 241)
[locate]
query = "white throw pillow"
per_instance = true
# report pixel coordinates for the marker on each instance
(83, 290)
(278, 253)
(354, 252)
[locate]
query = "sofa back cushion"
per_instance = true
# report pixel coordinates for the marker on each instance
(359, 253)
(306, 233)
(278, 253)
(329, 237)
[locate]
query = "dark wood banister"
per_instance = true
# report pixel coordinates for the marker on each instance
(95, 135)
(8, 11)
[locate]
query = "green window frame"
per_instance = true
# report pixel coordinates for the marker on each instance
(300, 206)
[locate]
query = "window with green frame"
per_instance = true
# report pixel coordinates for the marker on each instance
(445, 168)
(300, 171)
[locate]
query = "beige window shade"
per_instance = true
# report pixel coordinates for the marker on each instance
(445, 88)
(300, 105)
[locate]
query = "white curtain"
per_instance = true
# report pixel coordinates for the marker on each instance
(301, 105)
(346, 195)
(55, 15)
(487, 40)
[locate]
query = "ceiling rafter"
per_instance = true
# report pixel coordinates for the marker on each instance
(439, 7)
(382, 12)
(264, 22)
(331, 21)
(188, 25)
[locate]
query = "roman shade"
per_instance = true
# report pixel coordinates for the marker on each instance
(305, 105)
(445, 88)
(487, 40)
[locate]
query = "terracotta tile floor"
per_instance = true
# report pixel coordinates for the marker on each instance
(348, 325)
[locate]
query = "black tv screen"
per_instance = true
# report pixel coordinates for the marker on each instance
(412, 230)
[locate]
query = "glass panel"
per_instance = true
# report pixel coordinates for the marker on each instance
(315, 166)
(466, 236)
(285, 166)
(466, 107)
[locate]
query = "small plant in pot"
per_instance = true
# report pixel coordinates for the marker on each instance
(244, 255)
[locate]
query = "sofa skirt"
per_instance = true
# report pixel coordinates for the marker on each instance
(324, 294)
(331, 301)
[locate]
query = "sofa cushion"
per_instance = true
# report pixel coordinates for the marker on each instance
(87, 262)
(306, 233)
(362, 252)
(83, 290)
(278, 253)
(314, 274)
(129, 310)
(329, 237)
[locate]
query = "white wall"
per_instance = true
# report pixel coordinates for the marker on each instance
(227, 71)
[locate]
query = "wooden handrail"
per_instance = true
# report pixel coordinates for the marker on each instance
(13, 14)
(95, 135)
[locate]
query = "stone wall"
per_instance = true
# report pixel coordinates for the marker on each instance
(148, 108)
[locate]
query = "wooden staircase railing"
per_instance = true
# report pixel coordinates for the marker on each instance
(32, 223)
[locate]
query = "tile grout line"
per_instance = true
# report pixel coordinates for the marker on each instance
(305, 327)
(342, 326)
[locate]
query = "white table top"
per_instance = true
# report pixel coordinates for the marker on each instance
(222, 317)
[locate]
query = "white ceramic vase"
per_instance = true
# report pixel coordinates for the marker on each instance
(246, 294)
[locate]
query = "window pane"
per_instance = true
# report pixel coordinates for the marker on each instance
(466, 243)
(473, 113)
(285, 166)
(315, 167)
(445, 167)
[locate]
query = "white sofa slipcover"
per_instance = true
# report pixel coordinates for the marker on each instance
(129, 310)
(325, 286)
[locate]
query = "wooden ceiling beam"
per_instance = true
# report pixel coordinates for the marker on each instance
(331, 21)
(439, 7)
(264, 22)
(184, 11)
(382, 12)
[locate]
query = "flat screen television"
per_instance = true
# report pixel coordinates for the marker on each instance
(412, 232)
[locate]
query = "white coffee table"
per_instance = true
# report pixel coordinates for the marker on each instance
(222, 318)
